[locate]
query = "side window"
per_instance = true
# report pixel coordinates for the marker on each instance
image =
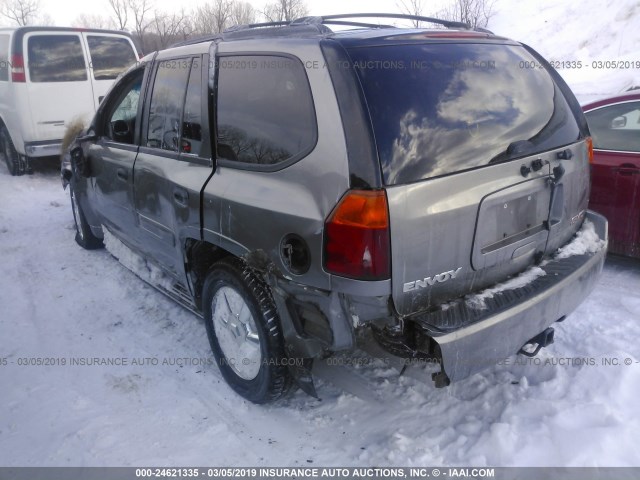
(192, 119)
(265, 112)
(122, 113)
(4, 58)
(110, 56)
(165, 111)
(56, 58)
(616, 127)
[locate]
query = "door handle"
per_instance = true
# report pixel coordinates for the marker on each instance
(627, 169)
(181, 197)
(122, 174)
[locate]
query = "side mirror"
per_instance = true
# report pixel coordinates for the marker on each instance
(619, 122)
(79, 163)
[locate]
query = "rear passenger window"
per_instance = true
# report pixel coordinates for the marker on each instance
(4, 58)
(56, 58)
(165, 112)
(109, 56)
(265, 110)
(616, 127)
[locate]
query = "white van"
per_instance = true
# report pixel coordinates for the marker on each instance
(48, 77)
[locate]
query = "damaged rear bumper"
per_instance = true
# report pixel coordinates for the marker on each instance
(511, 318)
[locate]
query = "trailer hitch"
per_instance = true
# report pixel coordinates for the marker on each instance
(543, 339)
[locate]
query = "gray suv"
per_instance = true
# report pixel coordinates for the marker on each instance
(294, 185)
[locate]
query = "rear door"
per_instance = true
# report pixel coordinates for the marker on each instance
(468, 139)
(109, 55)
(174, 162)
(615, 189)
(58, 83)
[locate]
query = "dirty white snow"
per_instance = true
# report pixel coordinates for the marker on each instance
(586, 241)
(478, 300)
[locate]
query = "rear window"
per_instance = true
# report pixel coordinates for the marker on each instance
(56, 58)
(4, 58)
(443, 108)
(110, 56)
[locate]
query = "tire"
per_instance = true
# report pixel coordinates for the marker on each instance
(250, 350)
(84, 236)
(8, 151)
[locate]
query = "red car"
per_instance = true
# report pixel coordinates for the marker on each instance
(615, 191)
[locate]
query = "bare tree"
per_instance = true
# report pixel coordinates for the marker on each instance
(120, 13)
(411, 7)
(167, 27)
(93, 21)
(213, 17)
(242, 13)
(476, 13)
(285, 10)
(141, 10)
(23, 12)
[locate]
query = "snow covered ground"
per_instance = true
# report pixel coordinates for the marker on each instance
(169, 405)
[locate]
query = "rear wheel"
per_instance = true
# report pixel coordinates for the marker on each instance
(244, 332)
(84, 236)
(9, 153)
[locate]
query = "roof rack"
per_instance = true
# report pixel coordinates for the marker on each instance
(328, 19)
(338, 20)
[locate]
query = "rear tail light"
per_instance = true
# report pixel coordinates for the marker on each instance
(17, 69)
(589, 142)
(356, 236)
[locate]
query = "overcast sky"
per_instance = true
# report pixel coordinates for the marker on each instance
(63, 12)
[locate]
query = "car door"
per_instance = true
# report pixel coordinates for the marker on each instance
(113, 154)
(174, 162)
(109, 55)
(615, 190)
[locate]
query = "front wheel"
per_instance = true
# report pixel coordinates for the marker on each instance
(244, 332)
(84, 236)
(8, 151)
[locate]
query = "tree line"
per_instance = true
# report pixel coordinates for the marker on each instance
(155, 29)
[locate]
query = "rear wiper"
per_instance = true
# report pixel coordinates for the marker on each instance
(516, 149)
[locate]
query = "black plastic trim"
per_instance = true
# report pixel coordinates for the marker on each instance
(364, 164)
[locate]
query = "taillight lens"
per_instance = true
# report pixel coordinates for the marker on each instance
(356, 236)
(17, 69)
(589, 142)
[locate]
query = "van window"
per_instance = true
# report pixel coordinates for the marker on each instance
(110, 56)
(4, 58)
(56, 58)
(265, 109)
(165, 111)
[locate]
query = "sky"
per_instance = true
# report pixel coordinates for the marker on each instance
(65, 11)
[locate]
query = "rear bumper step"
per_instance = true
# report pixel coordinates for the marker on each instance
(481, 337)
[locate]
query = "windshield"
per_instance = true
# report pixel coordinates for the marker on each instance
(443, 108)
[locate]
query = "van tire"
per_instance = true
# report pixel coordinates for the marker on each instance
(84, 236)
(9, 153)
